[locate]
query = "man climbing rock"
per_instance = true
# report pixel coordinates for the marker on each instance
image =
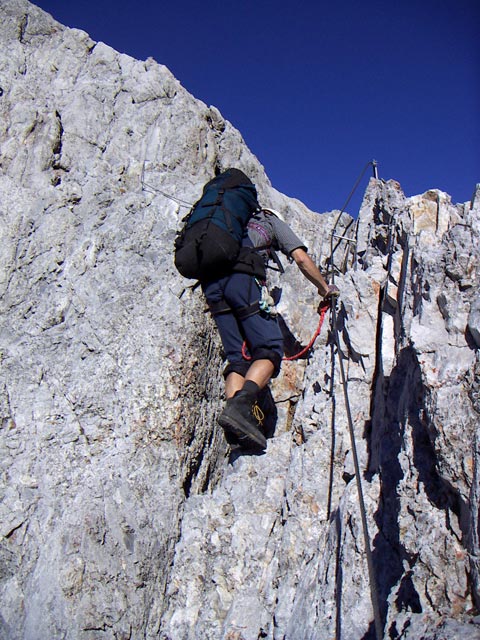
(226, 243)
(242, 312)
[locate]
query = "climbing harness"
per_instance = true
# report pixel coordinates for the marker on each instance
(323, 308)
(336, 345)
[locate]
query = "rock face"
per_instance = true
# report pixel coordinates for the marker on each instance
(123, 513)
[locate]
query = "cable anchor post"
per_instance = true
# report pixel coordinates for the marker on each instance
(375, 169)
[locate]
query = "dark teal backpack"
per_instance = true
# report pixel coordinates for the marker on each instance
(209, 242)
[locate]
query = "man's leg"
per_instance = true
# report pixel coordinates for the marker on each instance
(260, 372)
(233, 382)
(242, 418)
(230, 334)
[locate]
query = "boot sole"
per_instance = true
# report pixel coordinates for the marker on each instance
(244, 433)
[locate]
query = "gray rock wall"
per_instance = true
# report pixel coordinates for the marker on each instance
(123, 514)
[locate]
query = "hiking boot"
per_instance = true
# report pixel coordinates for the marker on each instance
(242, 420)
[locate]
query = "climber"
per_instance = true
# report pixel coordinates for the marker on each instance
(241, 308)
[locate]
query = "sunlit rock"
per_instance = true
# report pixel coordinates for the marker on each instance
(123, 513)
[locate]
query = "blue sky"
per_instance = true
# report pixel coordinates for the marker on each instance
(318, 88)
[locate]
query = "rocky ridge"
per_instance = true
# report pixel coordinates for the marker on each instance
(123, 513)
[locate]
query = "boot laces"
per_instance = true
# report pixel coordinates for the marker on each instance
(258, 414)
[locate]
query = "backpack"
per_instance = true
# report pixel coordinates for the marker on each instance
(209, 242)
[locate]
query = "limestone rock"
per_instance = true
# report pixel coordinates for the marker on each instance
(123, 514)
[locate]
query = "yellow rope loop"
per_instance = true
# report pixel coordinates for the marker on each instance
(258, 414)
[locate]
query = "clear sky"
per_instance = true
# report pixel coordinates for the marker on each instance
(318, 88)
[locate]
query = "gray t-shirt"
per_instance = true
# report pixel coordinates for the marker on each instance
(266, 229)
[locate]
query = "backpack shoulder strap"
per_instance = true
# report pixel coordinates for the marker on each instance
(267, 246)
(260, 229)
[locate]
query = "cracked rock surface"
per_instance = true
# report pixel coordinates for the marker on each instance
(123, 513)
